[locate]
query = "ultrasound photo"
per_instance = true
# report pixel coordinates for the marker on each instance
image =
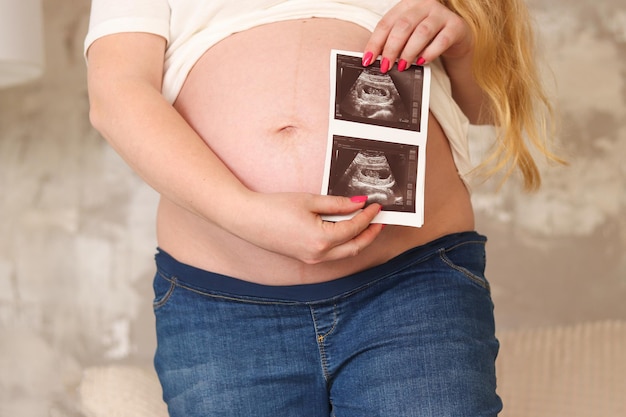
(385, 172)
(366, 95)
(377, 134)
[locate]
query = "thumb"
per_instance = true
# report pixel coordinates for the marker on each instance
(330, 204)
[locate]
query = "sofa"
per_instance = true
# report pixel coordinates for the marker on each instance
(562, 371)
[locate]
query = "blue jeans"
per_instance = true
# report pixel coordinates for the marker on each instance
(412, 337)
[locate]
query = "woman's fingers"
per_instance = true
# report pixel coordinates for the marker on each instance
(291, 224)
(401, 26)
(453, 38)
(380, 35)
(419, 42)
(355, 245)
(347, 237)
(416, 31)
(329, 204)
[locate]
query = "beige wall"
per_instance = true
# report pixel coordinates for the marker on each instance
(76, 226)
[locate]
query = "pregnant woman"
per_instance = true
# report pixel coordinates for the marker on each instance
(262, 308)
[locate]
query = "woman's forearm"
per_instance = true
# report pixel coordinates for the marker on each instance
(465, 90)
(127, 108)
(161, 147)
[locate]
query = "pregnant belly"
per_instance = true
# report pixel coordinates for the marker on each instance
(260, 100)
(264, 111)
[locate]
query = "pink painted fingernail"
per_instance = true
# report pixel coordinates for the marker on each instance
(367, 59)
(359, 199)
(384, 65)
(402, 65)
(420, 61)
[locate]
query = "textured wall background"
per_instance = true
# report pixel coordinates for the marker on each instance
(76, 226)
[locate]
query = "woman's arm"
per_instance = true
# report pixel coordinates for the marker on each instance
(127, 108)
(423, 30)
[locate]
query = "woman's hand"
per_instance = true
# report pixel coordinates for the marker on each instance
(418, 31)
(291, 224)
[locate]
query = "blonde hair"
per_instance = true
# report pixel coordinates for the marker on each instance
(505, 68)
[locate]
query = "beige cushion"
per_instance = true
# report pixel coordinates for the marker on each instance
(557, 372)
(121, 391)
(564, 371)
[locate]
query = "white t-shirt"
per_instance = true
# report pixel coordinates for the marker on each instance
(191, 27)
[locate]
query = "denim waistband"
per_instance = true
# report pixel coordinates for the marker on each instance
(212, 282)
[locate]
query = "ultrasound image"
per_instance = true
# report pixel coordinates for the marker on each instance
(375, 136)
(369, 174)
(385, 172)
(374, 95)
